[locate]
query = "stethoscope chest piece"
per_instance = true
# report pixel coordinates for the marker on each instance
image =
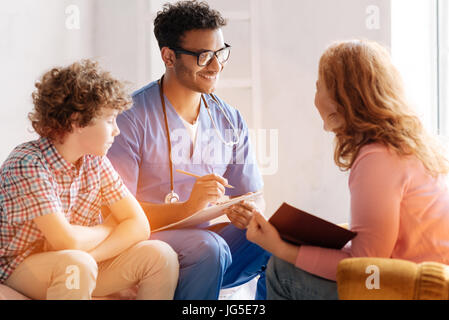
(172, 197)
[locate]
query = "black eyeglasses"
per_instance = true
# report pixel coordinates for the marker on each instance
(204, 58)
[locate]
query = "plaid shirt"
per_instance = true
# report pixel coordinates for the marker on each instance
(34, 181)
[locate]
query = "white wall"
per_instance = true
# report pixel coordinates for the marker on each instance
(291, 36)
(121, 38)
(33, 38)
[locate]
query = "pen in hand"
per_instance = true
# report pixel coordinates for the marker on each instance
(197, 176)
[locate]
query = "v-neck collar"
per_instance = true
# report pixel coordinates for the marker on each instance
(203, 123)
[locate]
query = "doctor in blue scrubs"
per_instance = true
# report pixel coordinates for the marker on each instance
(178, 123)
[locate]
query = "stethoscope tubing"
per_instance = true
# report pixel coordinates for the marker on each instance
(172, 196)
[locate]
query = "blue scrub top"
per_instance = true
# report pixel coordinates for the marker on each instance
(140, 152)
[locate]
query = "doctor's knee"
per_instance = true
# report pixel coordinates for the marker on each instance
(211, 251)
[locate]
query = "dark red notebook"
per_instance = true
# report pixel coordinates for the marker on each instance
(299, 227)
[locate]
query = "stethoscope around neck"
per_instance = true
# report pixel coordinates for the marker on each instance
(172, 196)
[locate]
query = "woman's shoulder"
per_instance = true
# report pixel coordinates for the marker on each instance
(373, 148)
(377, 155)
(376, 164)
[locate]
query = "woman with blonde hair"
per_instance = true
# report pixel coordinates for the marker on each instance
(399, 198)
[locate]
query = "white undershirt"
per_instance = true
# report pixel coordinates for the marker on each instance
(192, 129)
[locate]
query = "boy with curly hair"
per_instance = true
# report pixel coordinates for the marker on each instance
(53, 244)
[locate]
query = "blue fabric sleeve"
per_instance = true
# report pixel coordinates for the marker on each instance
(243, 172)
(125, 151)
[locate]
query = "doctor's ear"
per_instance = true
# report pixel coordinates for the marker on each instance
(168, 56)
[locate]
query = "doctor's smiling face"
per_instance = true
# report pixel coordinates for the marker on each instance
(189, 73)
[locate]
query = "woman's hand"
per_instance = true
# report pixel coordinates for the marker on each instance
(262, 233)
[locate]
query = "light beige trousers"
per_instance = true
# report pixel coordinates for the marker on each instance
(152, 265)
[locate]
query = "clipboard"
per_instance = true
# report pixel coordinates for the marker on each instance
(302, 228)
(209, 213)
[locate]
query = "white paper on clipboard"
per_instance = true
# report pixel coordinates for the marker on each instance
(209, 213)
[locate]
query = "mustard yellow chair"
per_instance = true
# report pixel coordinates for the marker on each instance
(391, 279)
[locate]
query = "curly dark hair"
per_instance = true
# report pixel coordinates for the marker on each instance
(74, 95)
(175, 19)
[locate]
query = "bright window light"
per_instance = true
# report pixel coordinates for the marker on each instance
(414, 49)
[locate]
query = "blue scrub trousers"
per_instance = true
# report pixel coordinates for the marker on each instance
(213, 260)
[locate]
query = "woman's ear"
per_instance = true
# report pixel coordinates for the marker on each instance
(334, 120)
(168, 56)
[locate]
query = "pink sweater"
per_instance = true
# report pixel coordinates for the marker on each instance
(397, 209)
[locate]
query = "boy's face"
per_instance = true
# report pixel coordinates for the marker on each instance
(189, 74)
(97, 138)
